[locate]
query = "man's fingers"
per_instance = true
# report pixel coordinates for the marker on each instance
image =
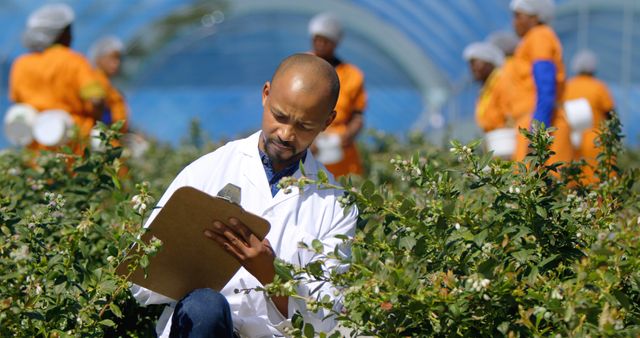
(230, 233)
(241, 229)
(226, 244)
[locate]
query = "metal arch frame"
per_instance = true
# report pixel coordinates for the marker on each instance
(575, 5)
(433, 85)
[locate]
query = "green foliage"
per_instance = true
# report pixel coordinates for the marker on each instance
(66, 222)
(450, 242)
(466, 245)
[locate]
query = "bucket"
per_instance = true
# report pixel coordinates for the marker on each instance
(576, 139)
(329, 148)
(579, 114)
(502, 142)
(135, 145)
(52, 127)
(18, 122)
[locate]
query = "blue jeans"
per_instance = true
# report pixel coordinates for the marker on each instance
(202, 313)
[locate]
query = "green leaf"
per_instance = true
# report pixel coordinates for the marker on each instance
(322, 176)
(309, 332)
(407, 243)
(367, 188)
(533, 275)
(480, 238)
(377, 201)
(541, 211)
(302, 171)
(622, 298)
(523, 256)
(108, 286)
(107, 322)
(116, 310)
(317, 246)
(283, 270)
(116, 182)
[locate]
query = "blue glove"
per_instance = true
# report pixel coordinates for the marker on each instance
(106, 116)
(544, 75)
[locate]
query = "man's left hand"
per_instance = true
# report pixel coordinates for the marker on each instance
(255, 255)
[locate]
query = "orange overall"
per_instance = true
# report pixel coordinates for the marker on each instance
(601, 102)
(57, 78)
(353, 98)
(539, 44)
(492, 106)
(114, 100)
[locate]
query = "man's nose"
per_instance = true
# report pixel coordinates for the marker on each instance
(287, 133)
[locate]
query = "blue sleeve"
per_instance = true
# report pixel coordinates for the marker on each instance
(544, 76)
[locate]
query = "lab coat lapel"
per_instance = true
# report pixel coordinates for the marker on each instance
(253, 170)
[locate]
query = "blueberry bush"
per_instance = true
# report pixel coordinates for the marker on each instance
(450, 241)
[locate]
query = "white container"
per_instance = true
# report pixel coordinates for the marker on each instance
(52, 127)
(579, 114)
(502, 142)
(135, 145)
(18, 122)
(576, 138)
(329, 148)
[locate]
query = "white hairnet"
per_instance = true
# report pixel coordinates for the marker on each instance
(45, 25)
(585, 61)
(507, 41)
(543, 9)
(105, 45)
(326, 25)
(484, 51)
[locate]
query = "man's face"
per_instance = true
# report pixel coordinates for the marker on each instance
(291, 119)
(109, 63)
(323, 47)
(522, 22)
(480, 69)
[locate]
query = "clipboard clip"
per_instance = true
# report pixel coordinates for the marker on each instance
(231, 193)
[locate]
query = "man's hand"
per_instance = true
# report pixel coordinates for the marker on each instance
(255, 255)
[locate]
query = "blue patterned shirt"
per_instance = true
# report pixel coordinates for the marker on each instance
(275, 177)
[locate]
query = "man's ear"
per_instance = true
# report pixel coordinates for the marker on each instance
(330, 119)
(265, 92)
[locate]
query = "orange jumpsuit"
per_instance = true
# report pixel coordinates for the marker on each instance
(492, 108)
(353, 97)
(114, 100)
(57, 78)
(539, 44)
(601, 102)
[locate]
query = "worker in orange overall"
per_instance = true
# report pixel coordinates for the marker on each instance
(485, 61)
(538, 77)
(52, 75)
(586, 86)
(326, 32)
(106, 56)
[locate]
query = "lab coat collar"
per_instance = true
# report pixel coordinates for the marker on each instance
(254, 171)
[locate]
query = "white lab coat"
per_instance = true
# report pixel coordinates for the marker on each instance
(299, 216)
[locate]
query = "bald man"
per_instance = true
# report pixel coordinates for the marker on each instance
(298, 103)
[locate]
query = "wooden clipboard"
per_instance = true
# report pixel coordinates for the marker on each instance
(187, 259)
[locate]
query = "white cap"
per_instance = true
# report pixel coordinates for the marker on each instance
(105, 45)
(507, 41)
(326, 25)
(543, 9)
(45, 25)
(585, 61)
(484, 51)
